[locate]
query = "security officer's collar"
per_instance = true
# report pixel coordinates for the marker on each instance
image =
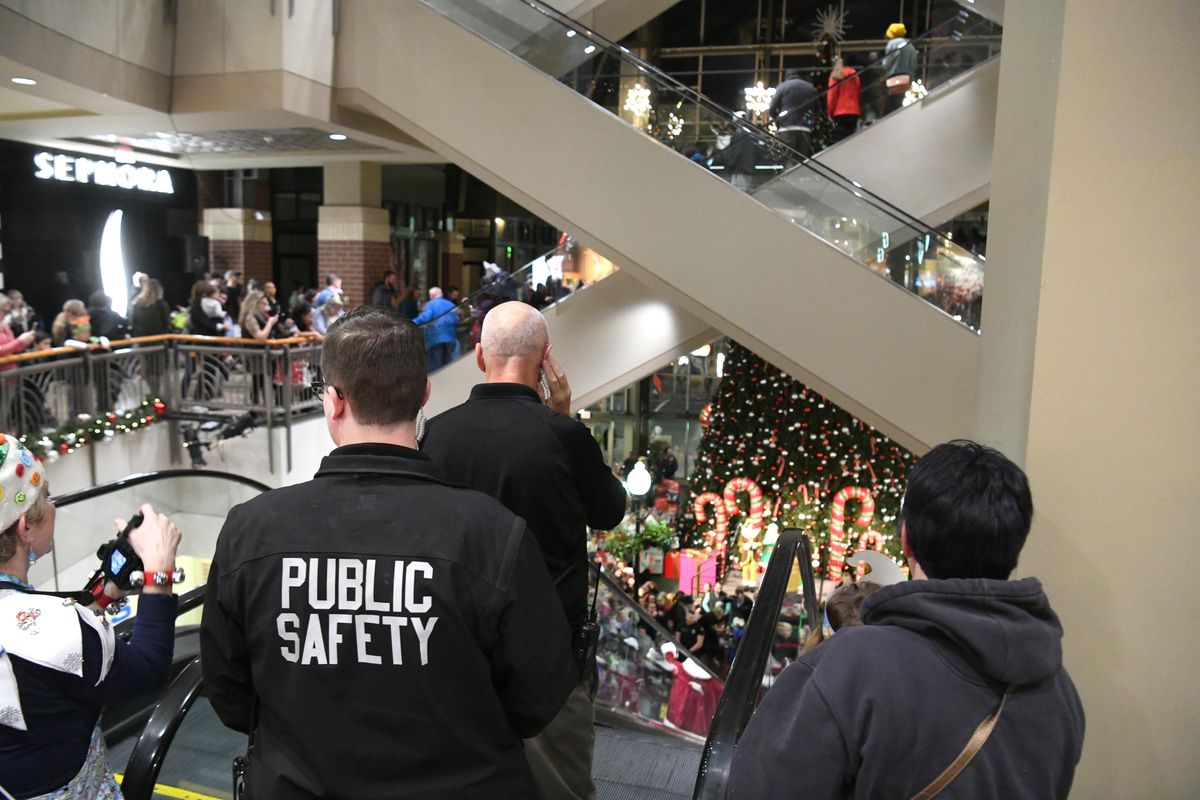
(504, 391)
(380, 459)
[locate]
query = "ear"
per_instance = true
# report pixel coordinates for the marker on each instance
(479, 357)
(337, 408)
(428, 389)
(904, 548)
(22, 527)
(546, 353)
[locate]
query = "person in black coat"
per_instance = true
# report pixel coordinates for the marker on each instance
(515, 440)
(882, 709)
(150, 314)
(105, 321)
(398, 633)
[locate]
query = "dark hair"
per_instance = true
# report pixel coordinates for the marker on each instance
(966, 512)
(331, 279)
(99, 299)
(202, 289)
(792, 73)
(376, 359)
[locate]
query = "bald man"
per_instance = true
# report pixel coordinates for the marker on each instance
(439, 320)
(515, 440)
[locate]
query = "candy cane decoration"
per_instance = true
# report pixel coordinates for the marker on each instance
(870, 540)
(699, 508)
(755, 516)
(837, 527)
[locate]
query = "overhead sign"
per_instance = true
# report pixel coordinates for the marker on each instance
(78, 169)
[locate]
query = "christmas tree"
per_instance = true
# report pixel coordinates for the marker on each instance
(818, 467)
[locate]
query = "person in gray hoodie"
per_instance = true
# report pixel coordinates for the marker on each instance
(883, 709)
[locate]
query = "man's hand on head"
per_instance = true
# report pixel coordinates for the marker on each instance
(556, 382)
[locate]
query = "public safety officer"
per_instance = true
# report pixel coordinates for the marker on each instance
(526, 450)
(378, 631)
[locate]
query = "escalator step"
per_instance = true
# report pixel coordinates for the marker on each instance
(640, 766)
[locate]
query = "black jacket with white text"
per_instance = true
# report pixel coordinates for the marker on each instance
(401, 635)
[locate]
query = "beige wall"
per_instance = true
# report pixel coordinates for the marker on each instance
(1113, 414)
(131, 30)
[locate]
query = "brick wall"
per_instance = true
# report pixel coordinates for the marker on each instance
(360, 265)
(252, 259)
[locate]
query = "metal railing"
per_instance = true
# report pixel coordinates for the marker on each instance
(48, 390)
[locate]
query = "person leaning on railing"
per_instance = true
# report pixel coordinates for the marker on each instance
(150, 315)
(11, 344)
(71, 323)
(60, 663)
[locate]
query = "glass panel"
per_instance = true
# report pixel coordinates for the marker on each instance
(197, 503)
(640, 679)
(866, 228)
(548, 279)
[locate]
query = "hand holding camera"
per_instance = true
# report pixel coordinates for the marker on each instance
(142, 556)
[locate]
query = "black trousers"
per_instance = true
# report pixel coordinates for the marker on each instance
(844, 126)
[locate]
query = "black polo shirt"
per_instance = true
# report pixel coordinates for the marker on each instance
(542, 466)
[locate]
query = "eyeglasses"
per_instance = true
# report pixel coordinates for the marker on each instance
(319, 386)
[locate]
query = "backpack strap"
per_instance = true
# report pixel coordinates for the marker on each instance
(977, 740)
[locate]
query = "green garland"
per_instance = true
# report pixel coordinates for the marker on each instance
(87, 429)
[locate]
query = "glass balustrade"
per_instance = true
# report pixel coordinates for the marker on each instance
(845, 214)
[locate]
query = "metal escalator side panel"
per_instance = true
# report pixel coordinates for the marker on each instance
(743, 685)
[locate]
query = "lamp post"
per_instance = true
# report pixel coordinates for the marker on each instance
(637, 483)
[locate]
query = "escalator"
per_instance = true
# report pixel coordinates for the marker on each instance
(794, 272)
(608, 334)
(659, 713)
(933, 156)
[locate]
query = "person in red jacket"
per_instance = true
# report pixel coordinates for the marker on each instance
(841, 102)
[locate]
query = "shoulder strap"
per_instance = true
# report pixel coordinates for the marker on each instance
(977, 740)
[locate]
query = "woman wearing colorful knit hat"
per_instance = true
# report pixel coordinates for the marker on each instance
(59, 660)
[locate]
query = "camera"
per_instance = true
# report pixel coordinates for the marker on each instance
(120, 564)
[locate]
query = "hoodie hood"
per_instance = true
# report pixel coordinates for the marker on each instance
(1003, 629)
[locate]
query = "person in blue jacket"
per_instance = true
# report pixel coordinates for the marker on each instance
(439, 320)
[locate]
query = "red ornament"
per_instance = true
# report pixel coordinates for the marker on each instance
(160, 407)
(20, 470)
(63, 448)
(111, 417)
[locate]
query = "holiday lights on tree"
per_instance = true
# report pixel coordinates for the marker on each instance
(804, 453)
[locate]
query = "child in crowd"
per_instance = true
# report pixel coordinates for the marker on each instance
(841, 611)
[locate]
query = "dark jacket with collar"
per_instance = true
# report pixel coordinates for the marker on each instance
(880, 710)
(400, 634)
(542, 465)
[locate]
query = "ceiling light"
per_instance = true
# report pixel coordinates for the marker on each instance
(570, 34)
(338, 137)
(24, 81)
(591, 48)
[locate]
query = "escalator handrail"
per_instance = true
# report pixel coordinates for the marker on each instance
(483, 290)
(137, 479)
(745, 676)
(728, 115)
(650, 622)
(146, 759)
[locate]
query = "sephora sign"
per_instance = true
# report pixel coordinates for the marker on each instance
(78, 169)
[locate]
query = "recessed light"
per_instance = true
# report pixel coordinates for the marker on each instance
(591, 48)
(570, 34)
(24, 81)
(338, 137)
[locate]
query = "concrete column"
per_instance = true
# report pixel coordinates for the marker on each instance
(1091, 342)
(353, 234)
(239, 239)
